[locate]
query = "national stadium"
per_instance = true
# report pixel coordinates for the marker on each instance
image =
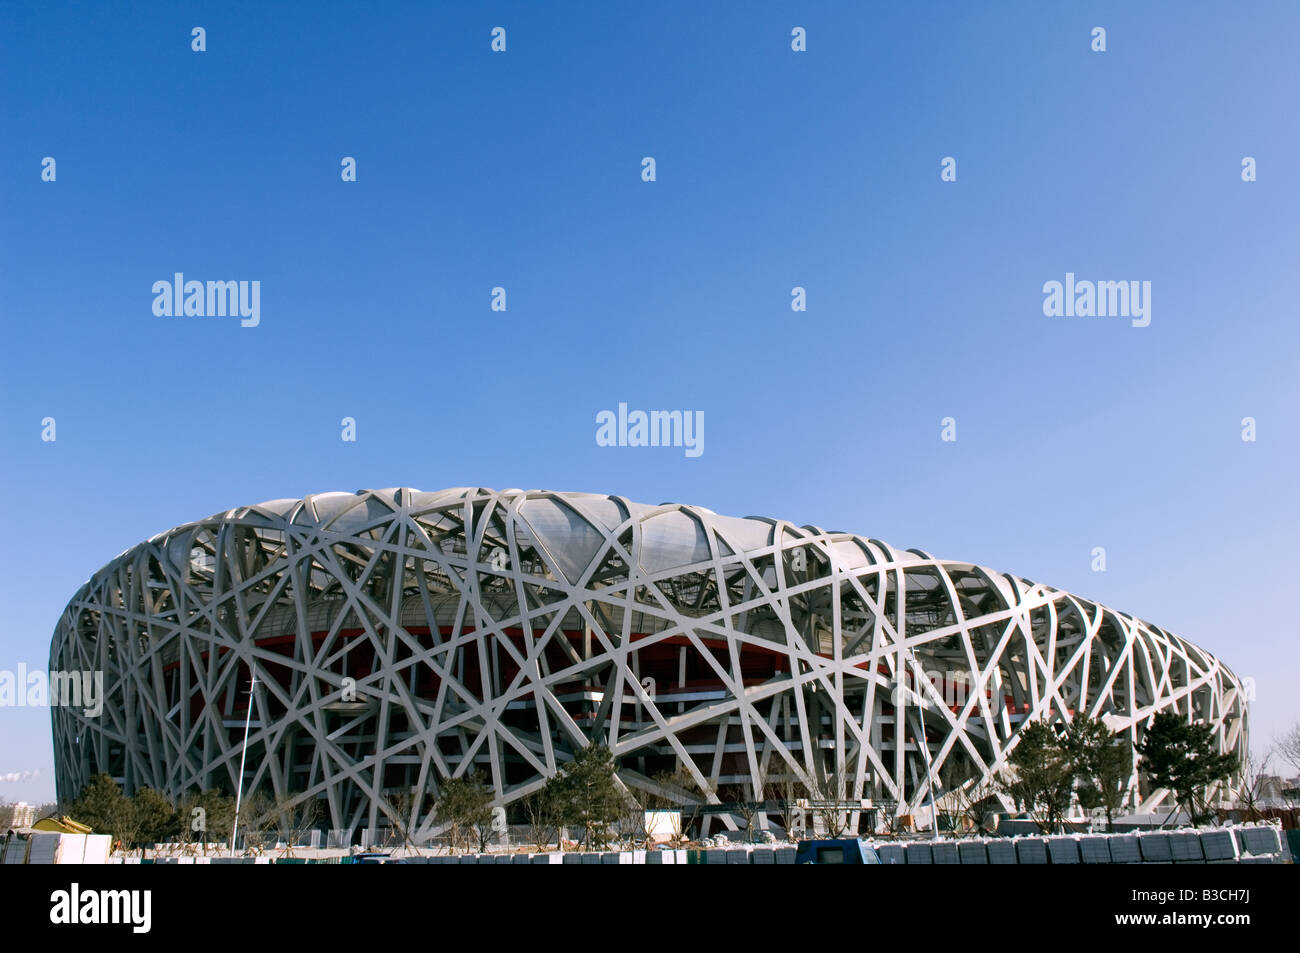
(401, 637)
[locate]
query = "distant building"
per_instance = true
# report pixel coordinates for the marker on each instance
(24, 815)
(1277, 791)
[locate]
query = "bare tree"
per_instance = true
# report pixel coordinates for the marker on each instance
(632, 825)
(1254, 787)
(485, 826)
(543, 818)
(688, 802)
(834, 817)
(464, 806)
(787, 790)
(256, 817)
(967, 801)
(889, 818)
(190, 815)
(401, 811)
(829, 804)
(203, 817)
(1288, 747)
(294, 821)
(749, 805)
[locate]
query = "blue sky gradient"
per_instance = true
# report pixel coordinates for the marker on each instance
(775, 169)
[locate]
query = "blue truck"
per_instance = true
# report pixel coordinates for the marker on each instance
(842, 850)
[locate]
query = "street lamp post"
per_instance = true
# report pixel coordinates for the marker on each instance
(239, 787)
(924, 742)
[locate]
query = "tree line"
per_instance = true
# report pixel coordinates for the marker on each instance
(583, 795)
(193, 821)
(1053, 766)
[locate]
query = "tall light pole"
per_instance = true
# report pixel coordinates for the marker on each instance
(929, 770)
(239, 787)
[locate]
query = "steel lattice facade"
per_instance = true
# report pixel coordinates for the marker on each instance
(500, 631)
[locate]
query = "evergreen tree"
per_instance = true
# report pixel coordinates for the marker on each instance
(1043, 775)
(1103, 763)
(464, 804)
(1184, 758)
(586, 794)
(154, 818)
(104, 808)
(207, 817)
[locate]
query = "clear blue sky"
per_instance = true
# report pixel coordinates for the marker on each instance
(775, 169)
